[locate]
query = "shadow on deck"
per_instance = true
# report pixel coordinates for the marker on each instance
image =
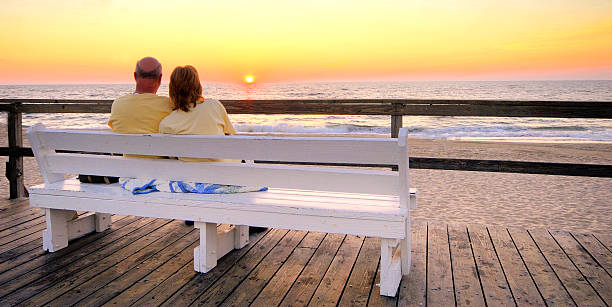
(149, 262)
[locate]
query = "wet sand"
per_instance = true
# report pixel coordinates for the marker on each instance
(582, 204)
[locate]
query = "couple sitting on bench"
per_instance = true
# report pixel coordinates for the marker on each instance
(186, 112)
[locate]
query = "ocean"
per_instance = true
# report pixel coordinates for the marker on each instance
(461, 128)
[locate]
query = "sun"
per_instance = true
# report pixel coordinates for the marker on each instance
(249, 79)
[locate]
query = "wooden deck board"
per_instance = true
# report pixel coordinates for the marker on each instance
(440, 290)
(225, 285)
(468, 291)
(249, 288)
(331, 287)
(362, 277)
(279, 285)
(521, 284)
(492, 278)
(546, 280)
(148, 262)
(575, 283)
(302, 290)
(413, 288)
(601, 254)
(599, 279)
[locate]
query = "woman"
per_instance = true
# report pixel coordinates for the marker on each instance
(192, 114)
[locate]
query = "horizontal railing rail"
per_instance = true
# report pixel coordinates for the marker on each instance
(413, 107)
(395, 108)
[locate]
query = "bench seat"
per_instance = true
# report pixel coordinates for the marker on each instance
(278, 208)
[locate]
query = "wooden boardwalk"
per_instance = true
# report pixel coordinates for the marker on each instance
(149, 262)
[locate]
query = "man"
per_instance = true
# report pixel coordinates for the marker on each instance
(141, 111)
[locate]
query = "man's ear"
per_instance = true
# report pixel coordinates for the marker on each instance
(135, 76)
(159, 79)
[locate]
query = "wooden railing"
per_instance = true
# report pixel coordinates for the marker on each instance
(396, 108)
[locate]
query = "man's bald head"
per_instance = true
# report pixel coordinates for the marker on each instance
(148, 75)
(148, 68)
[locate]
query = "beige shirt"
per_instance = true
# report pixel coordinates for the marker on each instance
(138, 113)
(207, 117)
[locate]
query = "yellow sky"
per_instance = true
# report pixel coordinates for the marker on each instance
(99, 41)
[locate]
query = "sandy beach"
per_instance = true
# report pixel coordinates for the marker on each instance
(582, 204)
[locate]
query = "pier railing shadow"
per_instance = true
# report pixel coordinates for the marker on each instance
(395, 108)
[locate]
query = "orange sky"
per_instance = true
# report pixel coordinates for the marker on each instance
(99, 41)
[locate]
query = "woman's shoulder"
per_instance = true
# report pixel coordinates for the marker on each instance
(212, 101)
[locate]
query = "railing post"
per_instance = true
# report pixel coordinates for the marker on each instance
(396, 120)
(14, 167)
(396, 125)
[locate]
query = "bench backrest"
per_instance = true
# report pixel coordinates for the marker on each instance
(53, 165)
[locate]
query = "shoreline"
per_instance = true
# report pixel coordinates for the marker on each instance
(579, 204)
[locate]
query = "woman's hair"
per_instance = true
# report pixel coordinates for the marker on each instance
(185, 88)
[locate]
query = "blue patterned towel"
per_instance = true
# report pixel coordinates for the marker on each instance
(145, 186)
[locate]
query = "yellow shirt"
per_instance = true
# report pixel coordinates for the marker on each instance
(139, 113)
(207, 117)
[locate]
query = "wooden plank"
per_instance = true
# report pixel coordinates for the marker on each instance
(413, 288)
(551, 288)
(521, 284)
(305, 178)
(332, 285)
(306, 284)
(523, 167)
(246, 292)
(278, 286)
(20, 228)
(37, 228)
(606, 240)
(128, 296)
(380, 300)
(440, 291)
(304, 149)
(69, 260)
(33, 249)
(358, 223)
(354, 205)
(69, 289)
(602, 255)
(10, 206)
(361, 280)
(6, 222)
(17, 252)
(16, 243)
(130, 270)
(494, 284)
(596, 276)
(468, 290)
(217, 289)
(428, 107)
(28, 217)
(573, 281)
(185, 283)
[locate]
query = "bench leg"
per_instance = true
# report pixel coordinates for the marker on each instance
(241, 236)
(405, 250)
(55, 237)
(205, 255)
(103, 221)
(390, 267)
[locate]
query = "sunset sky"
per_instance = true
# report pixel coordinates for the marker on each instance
(85, 41)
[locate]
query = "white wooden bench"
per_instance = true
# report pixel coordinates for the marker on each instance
(355, 201)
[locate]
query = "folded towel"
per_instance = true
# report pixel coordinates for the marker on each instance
(145, 186)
